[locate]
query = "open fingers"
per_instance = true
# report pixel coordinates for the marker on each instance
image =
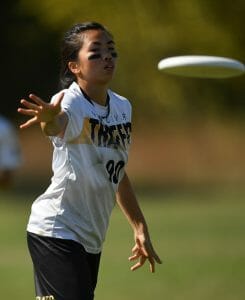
(29, 123)
(157, 258)
(135, 256)
(144, 251)
(152, 264)
(152, 259)
(152, 253)
(37, 100)
(143, 258)
(27, 112)
(142, 261)
(28, 104)
(138, 264)
(135, 248)
(149, 251)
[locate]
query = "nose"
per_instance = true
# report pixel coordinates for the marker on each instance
(106, 55)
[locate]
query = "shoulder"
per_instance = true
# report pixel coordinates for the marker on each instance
(120, 100)
(72, 96)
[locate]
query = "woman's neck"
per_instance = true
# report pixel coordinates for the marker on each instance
(97, 93)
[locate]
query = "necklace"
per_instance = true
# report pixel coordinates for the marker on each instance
(86, 96)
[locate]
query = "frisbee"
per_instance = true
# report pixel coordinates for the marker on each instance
(202, 66)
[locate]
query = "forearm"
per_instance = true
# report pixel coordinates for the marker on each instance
(143, 249)
(128, 203)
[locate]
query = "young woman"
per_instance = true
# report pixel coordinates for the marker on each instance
(89, 126)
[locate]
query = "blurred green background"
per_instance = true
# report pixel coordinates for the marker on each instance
(187, 158)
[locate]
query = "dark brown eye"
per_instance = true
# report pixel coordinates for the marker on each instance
(114, 54)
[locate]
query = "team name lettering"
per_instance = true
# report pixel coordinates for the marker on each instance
(110, 136)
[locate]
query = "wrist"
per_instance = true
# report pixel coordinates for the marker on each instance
(140, 228)
(50, 125)
(56, 126)
(51, 117)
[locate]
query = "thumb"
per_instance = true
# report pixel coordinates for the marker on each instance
(58, 100)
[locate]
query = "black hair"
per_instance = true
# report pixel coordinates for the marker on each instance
(70, 47)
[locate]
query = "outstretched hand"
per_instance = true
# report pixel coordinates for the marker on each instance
(142, 251)
(39, 110)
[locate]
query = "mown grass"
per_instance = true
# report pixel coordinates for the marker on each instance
(199, 236)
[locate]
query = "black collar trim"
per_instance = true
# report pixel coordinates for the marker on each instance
(86, 96)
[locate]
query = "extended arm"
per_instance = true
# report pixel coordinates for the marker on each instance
(143, 249)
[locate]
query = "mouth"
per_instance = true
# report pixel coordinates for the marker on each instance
(109, 67)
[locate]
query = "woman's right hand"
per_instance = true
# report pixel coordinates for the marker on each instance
(39, 110)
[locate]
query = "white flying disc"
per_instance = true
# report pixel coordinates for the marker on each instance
(202, 66)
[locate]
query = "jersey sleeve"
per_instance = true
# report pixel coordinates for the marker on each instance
(129, 109)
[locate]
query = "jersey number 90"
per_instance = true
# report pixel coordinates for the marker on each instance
(114, 169)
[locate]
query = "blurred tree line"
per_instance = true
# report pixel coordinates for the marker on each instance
(145, 32)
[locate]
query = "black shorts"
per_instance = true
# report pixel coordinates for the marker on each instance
(63, 270)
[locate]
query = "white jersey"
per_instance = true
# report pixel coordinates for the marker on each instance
(10, 157)
(88, 164)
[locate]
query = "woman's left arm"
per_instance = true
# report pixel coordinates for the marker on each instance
(143, 249)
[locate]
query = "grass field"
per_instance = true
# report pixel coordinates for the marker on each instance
(199, 236)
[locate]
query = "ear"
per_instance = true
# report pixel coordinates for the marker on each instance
(74, 67)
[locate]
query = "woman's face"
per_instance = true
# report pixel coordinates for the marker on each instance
(97, 57)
